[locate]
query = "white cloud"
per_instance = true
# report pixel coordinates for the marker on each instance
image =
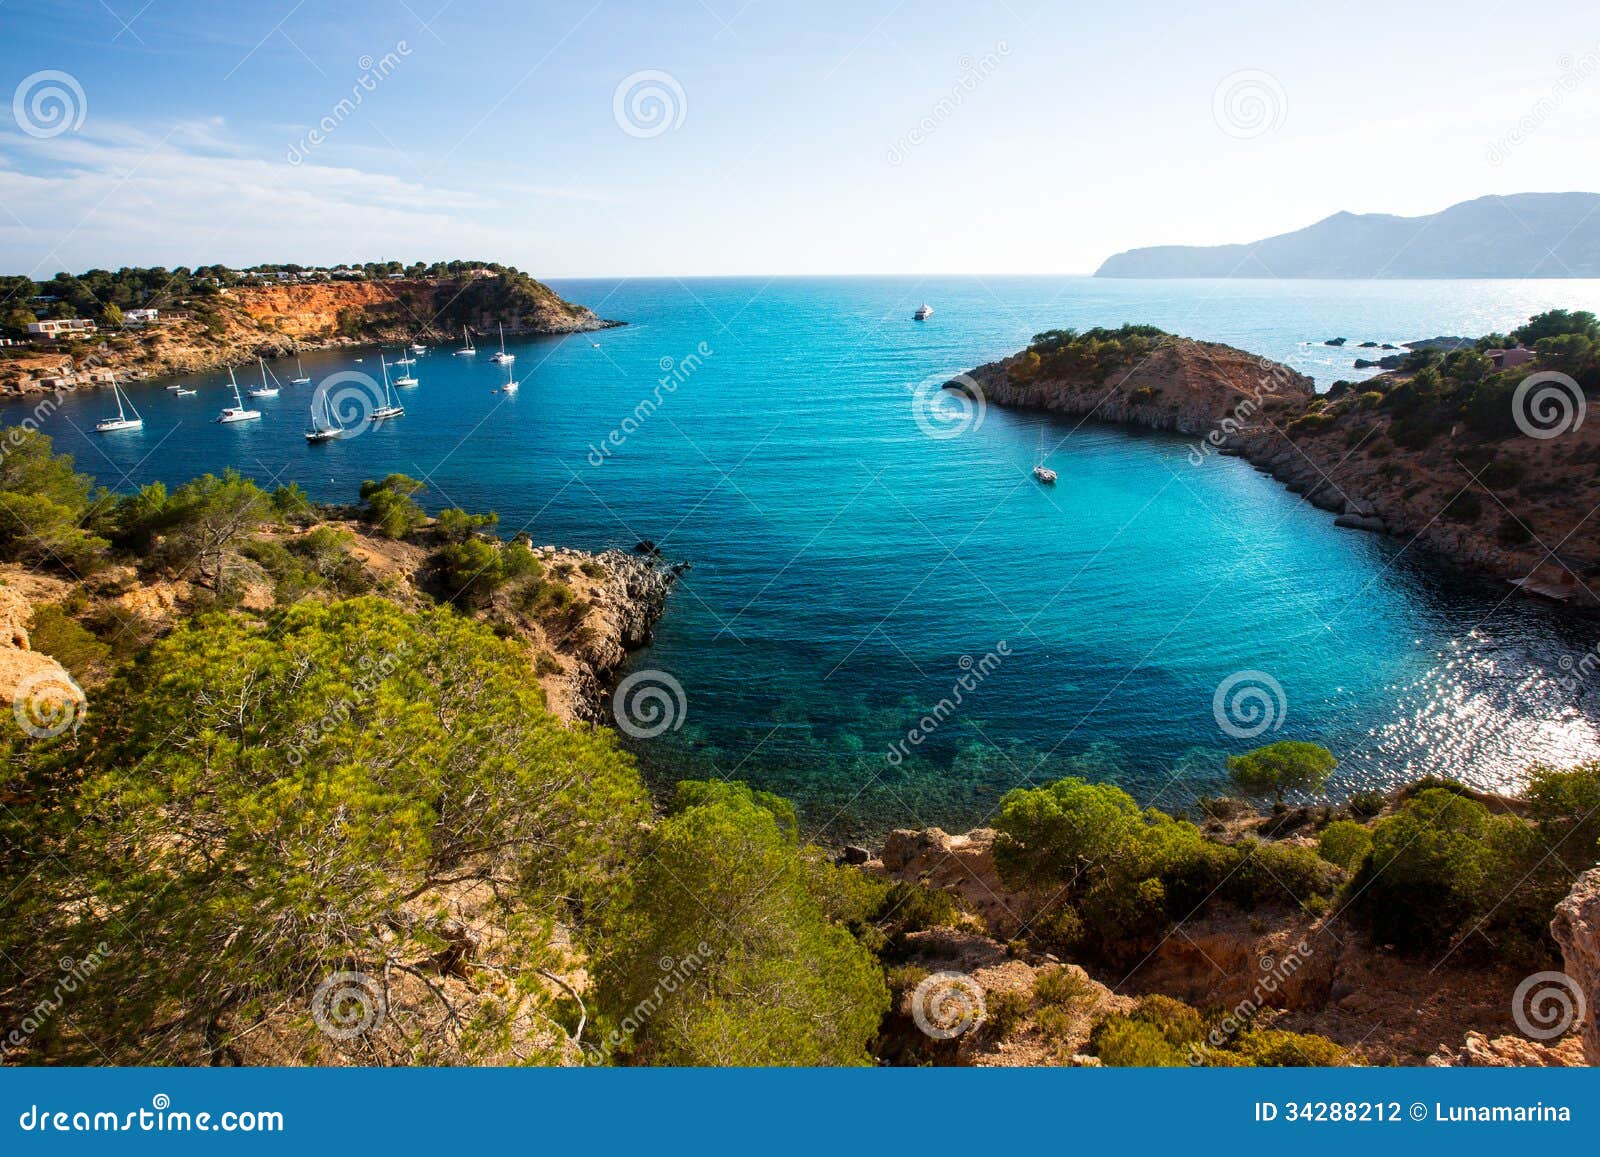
(119, 196)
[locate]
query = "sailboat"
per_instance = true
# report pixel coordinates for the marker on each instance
(1040, 471)
(324, 427)
(511, 383)
(408, 379)
(301, 379)
(237, 412)
(469, 348)
(121, 421)
(502, 357)
(391, 407)
(264, 390)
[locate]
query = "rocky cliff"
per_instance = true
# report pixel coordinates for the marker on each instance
(1491, 505)
(236, 325)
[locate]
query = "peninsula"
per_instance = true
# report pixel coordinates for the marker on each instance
(75, 331)
(1480, 456)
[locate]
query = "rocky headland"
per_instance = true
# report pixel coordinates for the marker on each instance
(234, 326)
(1442, 465)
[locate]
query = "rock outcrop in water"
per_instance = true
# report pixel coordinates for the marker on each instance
(1460, 480)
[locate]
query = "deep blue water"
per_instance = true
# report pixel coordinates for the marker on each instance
(847, 565)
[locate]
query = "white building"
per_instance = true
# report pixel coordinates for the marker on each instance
(141, 316)
(61, 327)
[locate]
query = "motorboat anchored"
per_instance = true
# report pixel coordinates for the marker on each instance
(924, 312)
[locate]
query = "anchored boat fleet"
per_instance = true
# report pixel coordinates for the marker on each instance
(325, 422)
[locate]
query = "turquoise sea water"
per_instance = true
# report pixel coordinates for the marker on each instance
(849, 568)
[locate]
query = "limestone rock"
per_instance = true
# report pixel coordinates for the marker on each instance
(1576, 928)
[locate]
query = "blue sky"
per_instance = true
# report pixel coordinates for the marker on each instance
(872, 136)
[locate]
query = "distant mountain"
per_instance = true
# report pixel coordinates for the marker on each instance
(1521, 235)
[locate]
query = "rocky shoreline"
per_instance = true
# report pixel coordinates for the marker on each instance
(239, 325)
(1344, 454)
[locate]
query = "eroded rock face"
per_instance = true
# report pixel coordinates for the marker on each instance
(1506, 1052)
(36, 692)
(1576, 928)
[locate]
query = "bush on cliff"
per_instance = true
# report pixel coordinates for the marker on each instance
(43, 502)
(268, 807)
(1128, 874)
(1444, 871)
(720, 954)
(1288, 765)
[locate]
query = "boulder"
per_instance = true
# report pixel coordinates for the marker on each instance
(1576, 928)
(44, 699)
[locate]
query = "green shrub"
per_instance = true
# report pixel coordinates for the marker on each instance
(1003, 1012)
(1123, 1042)
(1063, 988)
(1275, 1048)
(775, 981)
(1288, 765)
(52, 631)
(1344, 843)
(391, 507)
(1180, 1024)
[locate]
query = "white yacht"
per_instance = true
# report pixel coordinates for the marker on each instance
(469, 348)
(1040, 471)
(300, 371)
(503, 358)
(324, 427)
(183, 392)
(511, 383)
(924, 312)
(418, 348)
(391, 407)
(237, 412)
(121, 421)
(264, 390)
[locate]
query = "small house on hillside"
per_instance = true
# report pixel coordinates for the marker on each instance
(1510, 359)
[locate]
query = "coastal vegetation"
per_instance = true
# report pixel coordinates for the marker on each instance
(313, 772)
